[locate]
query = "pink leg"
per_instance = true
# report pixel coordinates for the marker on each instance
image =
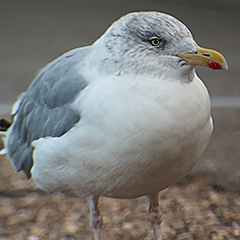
(155, 215)
(96, 220)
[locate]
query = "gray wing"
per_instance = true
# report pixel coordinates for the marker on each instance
(45, 108)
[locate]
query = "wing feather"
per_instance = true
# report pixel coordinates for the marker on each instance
(44, 110)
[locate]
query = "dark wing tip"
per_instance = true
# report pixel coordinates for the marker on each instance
(4, 124)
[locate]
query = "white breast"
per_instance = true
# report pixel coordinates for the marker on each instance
(135, 137)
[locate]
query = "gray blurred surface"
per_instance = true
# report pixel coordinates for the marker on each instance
(35, 32)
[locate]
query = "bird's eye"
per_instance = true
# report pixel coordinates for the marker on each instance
(155, 41)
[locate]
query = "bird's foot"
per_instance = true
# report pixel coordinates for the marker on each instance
(155, 216)
(96, 220)
(156, 220)
(96, 223)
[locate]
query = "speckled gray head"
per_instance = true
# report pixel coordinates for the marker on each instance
(148, 43)
(138, 42)
(143, 26)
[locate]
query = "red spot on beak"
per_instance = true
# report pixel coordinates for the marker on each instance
(214, 65)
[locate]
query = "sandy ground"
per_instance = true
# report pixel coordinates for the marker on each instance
(192, 209)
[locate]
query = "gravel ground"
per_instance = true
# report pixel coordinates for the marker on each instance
(192, 209)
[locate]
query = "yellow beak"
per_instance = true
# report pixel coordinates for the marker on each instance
(207, 58)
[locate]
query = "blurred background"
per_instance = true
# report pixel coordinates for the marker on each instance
(35, 32)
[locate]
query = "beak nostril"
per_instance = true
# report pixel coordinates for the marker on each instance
(206, 55)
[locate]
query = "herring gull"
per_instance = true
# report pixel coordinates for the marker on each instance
(123, 118)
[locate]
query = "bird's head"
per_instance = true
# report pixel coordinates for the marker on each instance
(153, 42)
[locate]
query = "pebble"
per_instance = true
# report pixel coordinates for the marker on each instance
(127, 226)
(47, 215)
(32, 237)
(30, 200)
(7, 207)
(70, 228)
(21, 216)
(236, 229)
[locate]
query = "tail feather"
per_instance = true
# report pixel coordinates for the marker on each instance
(4, 125)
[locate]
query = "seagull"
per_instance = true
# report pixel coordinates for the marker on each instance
(123, 118)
